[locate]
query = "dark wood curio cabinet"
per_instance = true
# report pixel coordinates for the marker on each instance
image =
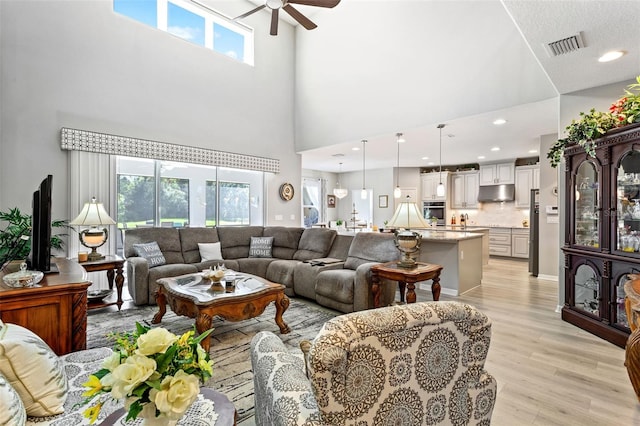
(602, 236)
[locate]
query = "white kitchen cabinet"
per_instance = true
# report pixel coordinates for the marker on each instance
(498, 173)
(430, 182)
(464, 190)
(520, 243)
(527, 178)
(500, 241)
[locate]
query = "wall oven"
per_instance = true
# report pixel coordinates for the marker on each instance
(435, 208)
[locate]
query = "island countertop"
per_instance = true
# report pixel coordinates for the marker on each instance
(459, 228)
(448, 236)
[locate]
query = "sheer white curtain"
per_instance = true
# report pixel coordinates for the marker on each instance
(92, 175)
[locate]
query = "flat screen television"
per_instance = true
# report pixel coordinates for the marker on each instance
(40, 255)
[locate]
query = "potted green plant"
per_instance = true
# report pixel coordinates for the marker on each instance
(15, 236)
(595, 124)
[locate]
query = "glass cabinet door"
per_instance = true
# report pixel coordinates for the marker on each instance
(587, 230)
(628, 209)
(587, 290)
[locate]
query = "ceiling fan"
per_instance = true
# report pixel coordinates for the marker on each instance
(276, 5)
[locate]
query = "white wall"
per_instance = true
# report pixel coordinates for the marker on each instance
(338, 99)
(549, 234)
(78, 64)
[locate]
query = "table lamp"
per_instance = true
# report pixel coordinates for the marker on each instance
(93, 215)
(407, 216)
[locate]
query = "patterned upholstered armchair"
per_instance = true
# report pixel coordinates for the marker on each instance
(410, 364)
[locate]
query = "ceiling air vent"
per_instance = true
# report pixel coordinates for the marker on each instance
(565, 45)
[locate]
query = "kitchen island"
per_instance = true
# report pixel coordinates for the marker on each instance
(472, 228)
(460, 254)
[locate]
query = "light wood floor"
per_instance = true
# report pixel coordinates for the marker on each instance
(549, 372)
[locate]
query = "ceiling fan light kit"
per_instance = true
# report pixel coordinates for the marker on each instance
(276, 5)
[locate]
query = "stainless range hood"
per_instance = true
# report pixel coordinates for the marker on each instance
(497, 193)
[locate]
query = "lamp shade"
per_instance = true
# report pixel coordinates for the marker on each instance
(93, 213)
(407, 216)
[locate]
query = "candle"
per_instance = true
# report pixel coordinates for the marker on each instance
(83, 256)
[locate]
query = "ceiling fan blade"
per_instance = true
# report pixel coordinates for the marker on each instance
(303, 20)
(318, 3)
(244, 15)
(274, 22)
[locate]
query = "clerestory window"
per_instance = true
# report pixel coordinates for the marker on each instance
(194, 23)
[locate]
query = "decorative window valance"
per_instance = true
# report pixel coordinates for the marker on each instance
(84, 140)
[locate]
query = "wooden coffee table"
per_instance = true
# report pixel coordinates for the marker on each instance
(406, 278)
(190, 295)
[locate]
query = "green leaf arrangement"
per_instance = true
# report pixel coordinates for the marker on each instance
(594, 124)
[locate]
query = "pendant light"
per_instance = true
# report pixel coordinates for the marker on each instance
(338, 191)
(363, 194)
(440, 188)
(397, 193)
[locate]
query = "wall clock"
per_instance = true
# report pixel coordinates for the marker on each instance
(286, 191)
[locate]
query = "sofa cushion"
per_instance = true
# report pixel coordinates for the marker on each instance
(168, 240)
(12, 410)
(261, 247)
(33, 369)
(254, 265)
(210, 251)
(281, 271)
(151, 252)
(340, 247)
(371, 247)
(189, 239)
(285, 240)
(336, 284)
(315, 243)
(235, 240)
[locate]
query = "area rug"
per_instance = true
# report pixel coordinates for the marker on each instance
(230, 341)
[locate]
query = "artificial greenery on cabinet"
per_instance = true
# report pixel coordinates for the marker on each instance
(595, 124)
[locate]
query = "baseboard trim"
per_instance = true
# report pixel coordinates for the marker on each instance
(548, 277)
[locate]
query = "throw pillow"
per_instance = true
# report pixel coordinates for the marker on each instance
(260, 247)
(210, 251)
(33, 370)
(150, 251)
(12, 412)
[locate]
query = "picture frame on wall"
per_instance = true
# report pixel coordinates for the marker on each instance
(383, 201)
(331, 201)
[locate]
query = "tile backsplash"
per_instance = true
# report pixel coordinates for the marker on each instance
(493, 214)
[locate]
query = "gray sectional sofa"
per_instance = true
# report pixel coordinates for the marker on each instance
(343, 286)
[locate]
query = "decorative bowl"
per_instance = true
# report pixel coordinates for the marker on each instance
(23, 278)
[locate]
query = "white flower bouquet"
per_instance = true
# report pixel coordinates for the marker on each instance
(155, 372)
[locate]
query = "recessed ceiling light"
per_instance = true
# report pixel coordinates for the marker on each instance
(451, 135)
(499, 121)
(430, 163)
(425, 158)
(533, 151)
(611, 56)
(355, 148)
(480, 157)
(495, 148)
(338, 155)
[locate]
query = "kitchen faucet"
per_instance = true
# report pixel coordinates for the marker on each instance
(466, 220)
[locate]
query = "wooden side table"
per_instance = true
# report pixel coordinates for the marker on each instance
(114, 266)
(406, 278)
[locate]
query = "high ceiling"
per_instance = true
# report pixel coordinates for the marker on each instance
(470, 62)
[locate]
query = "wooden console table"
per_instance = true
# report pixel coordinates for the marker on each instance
(406, 278)
(113, 265)
(55, 309)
